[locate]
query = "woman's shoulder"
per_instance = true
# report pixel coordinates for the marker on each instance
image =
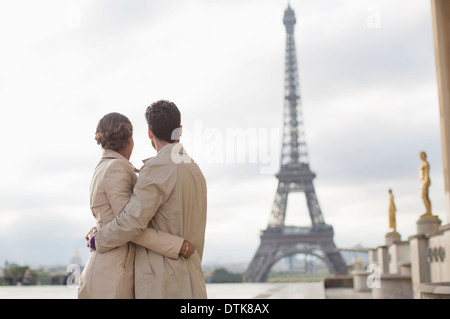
(119, 166)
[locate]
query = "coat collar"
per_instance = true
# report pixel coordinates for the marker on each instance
(110, 154)
(167, 149)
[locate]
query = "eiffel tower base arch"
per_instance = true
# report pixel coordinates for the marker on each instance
(291, 240)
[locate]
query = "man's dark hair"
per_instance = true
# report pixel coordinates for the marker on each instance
(164, 119)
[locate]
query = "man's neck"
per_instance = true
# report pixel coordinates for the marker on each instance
(161, 144)
(158, 149)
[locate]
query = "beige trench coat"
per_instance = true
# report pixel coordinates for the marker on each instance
(111, 275)
(170, 196)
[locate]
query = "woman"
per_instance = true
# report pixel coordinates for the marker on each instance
(111, 274)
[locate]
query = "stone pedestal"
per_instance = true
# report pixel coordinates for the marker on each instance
(420, 267)
(428, 225)
(446, 233)
(373, 256)
(360, 280)
(405, 268)
(393, 287)
(391, 238)
(439, 290)
(383, 259)
(398, 253)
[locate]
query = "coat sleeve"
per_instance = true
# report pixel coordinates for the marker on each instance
(127, 226)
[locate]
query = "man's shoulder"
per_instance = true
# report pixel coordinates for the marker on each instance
(155, 168)
(167, 157)
(170, 160)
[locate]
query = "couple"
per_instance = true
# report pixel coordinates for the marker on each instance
(151, 228)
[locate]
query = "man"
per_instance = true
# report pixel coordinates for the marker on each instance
(169, 196)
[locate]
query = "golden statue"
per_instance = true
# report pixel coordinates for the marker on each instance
(424, 171)
(392, 211)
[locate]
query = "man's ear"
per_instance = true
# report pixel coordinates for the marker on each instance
(150, 134)
(176, 133)
(181, 130)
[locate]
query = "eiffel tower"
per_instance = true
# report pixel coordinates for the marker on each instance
(279, 240)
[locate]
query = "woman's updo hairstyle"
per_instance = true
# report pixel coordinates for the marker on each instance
(114, 131)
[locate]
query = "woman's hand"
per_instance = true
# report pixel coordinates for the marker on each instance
(89, 235)
(187, 249)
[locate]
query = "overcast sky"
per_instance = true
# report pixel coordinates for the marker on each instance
(369, 99)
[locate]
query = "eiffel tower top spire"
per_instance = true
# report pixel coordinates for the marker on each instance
(289, 19)
(294, 152)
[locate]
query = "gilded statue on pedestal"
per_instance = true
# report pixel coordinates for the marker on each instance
(392, 211)
(424, 171)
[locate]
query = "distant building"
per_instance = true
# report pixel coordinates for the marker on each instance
(75, 258)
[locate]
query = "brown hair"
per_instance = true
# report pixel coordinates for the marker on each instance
(164, 119)
(114, 131)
